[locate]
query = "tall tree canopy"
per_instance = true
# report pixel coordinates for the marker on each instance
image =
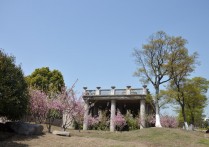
(13, 88)
(45, 80)
(158, 60)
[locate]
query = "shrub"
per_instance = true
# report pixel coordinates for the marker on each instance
(77, 125)
(101, 122)
(132, 122)
(169, 121)
(149, 120)
(93, 122)
(119, 121)
(104, 121)
(166, 121)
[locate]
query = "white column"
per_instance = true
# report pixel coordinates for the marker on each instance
(100, 114)
(142, 113)
(86, 112)
(112, 116)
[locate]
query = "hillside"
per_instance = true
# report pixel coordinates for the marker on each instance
(146, 137)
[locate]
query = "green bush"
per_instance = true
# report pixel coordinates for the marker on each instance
(104, 122)
(77, 126)
(132, 123)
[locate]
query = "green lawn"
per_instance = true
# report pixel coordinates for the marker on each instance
(162, 137)
(153, 136)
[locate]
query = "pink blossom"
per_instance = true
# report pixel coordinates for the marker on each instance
(169, 121)
(72, 106)
(119, 120)
(92, 121)
(38, 104)
(166, 120)
(48, 107)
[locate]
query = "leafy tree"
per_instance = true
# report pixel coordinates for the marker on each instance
(13, 88)
(158, 61)
(185, 64)
(194, 91)
(162, 100)
(45, 80)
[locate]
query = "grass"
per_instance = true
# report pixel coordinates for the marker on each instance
(153, 137)
(163, 137)
(204, 141)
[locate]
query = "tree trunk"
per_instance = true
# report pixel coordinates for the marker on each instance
(192, 118)
(184, 117)
(157, 108)
(64, 128)
(48, 124)
(191, 114)
(192, 122)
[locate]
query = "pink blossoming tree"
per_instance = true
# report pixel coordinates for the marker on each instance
(46, 108)
(72, 108)
(38, 105)
(55, 110)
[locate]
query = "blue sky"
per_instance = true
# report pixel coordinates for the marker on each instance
(93, 40)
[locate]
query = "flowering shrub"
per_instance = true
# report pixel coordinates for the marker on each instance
(166, 121)
(169, 121)
(119, 121)
(92, 122)
(149, 120)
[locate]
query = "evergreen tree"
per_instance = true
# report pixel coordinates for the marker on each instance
(13, 88)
